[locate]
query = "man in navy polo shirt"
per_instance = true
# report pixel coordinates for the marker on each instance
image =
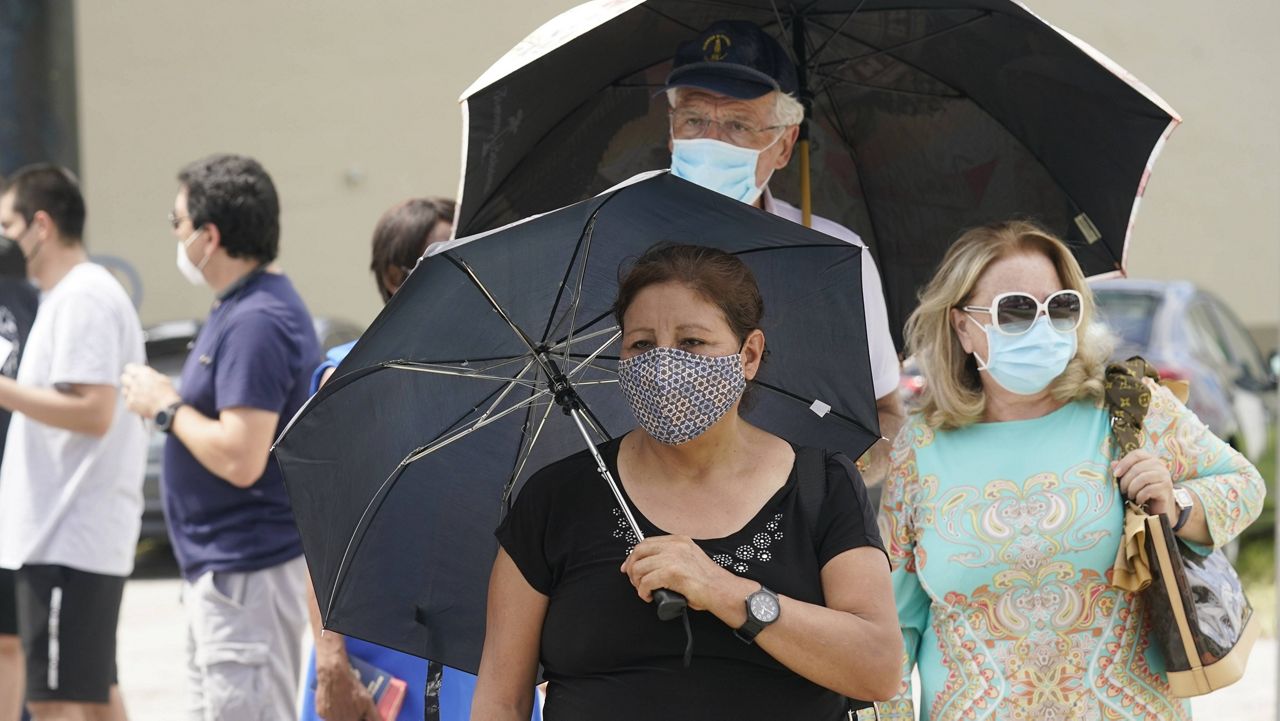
(245, 378)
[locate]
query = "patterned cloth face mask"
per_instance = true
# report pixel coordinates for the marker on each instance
(676, 395)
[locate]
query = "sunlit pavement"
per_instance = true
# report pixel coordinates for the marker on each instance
(152, 657)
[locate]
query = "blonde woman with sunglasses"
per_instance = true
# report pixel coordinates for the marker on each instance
(1002, 513)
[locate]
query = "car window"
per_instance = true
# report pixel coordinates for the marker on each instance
(1129, 315)
(1242, 352)
(1204, 334)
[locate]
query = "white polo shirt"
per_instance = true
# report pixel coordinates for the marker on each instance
(884, 357)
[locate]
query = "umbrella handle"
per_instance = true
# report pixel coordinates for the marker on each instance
(669, 604)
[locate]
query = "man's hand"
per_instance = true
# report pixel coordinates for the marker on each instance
(339, 697)
(874, 464)
(146, 390)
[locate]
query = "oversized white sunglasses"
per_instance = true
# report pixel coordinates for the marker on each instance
(1014, 313)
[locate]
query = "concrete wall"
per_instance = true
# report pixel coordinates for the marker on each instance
(351, 106)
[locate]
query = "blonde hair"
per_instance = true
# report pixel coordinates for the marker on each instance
(953, 396)
(787, 111)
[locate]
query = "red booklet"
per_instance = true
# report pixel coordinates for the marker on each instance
(387, 690)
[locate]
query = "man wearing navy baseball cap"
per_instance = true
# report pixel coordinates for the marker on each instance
(735, 118)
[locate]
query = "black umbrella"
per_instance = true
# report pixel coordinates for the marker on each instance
(399, 468)
(927, 117)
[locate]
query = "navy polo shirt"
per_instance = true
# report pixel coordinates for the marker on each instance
(257, 350)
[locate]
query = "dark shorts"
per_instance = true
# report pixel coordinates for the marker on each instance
(67, 620)
(8, 604)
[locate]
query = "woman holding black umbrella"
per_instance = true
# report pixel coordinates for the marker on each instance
(790, 605)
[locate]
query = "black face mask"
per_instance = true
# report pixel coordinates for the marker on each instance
(6, 240)
(13, 264)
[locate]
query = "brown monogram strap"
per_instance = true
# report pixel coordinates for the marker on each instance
(1128, 399)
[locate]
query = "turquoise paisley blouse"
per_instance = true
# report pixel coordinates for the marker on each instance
(1002, 537)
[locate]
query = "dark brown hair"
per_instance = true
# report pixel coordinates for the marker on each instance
(719, 277)
(51, 189)
(401, 236)
(235, 194)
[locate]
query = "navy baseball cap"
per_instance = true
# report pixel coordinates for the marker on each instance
(734, 58)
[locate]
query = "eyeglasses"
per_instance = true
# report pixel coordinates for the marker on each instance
(175, 220)
(1015, 313)
(690, 125)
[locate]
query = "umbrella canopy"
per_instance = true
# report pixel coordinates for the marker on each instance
(928, 117)
(398, 469)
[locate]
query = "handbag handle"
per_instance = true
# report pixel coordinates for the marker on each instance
(1128, 399)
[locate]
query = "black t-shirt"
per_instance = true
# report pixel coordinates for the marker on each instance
(604, 651)
(18, 302)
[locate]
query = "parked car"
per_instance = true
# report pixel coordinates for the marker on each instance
(1187, 333)
(167, 346)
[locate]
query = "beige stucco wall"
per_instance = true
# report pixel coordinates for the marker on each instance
(352, 106)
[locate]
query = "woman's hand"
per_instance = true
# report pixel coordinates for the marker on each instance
(677, 564)
(1145, 479)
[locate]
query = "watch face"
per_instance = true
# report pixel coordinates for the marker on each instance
(1182, 497)
(764, 607)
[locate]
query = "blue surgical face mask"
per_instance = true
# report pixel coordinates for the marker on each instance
(1027, 363)
(719, 166)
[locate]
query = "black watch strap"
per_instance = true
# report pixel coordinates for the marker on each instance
(164, 417)
(748, 631)
(1184, 515)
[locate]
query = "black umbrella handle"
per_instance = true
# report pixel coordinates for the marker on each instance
(669, 604)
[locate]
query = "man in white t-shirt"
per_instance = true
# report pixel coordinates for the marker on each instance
(71, 479)
(734, 121)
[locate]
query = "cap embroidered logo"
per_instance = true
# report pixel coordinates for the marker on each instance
(716, 47)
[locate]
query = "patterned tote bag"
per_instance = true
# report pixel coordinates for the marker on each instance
(1199, 616)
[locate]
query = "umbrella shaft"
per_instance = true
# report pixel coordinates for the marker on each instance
(608, 477)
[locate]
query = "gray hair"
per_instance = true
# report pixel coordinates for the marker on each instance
(787, 111)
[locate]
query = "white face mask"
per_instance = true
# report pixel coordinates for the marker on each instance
(192, 272)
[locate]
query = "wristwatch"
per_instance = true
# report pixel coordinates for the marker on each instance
(164, 416)
(1185, 501)
(762, 610)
